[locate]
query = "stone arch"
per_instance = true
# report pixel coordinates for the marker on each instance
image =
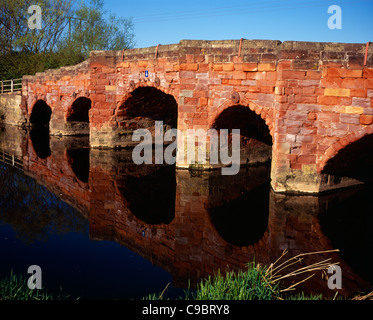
(76, 118)
(79, 110)
(350, 155)
(146, 103)
(41, 113)
(343, 142)
(255, 126)
(39, 134)
(266, 115)
(141, 84)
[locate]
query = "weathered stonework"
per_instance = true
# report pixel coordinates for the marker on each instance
(315, 98)
(10, 111)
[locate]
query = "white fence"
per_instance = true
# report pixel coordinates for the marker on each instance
(10, 86)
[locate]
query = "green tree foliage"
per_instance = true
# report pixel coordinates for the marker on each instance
(15, 34)
(95, 29)
(69, 32)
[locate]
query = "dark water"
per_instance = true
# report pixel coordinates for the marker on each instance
(101, 227)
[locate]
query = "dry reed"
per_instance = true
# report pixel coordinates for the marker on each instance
(275, 271)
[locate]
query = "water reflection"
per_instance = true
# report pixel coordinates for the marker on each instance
(150, 196)
(238, 205)
(79, 162)
(39, 135)
(348, 224)
(189, 224)
(31, 211)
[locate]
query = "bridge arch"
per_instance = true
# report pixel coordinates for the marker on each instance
(41, 113)
(144, 105)
(343, 142)
(255, 126)
(266, 115)
(79, 110)
(351, 156)
(40, 118)
(76, 117)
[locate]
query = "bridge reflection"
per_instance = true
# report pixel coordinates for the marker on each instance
(190, 223)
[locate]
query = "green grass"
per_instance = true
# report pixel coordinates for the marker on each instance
(252, 284)
(15, 287)
(257, 282)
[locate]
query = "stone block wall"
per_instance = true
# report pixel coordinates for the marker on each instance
(10, 111)
(314, 98)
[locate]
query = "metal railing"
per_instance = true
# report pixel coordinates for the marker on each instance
(11, 159)
(10, 86)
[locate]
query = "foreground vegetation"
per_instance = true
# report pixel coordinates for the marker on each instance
(253, 284)
(14, 288)
(257, 282)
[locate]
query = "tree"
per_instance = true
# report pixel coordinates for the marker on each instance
(69, 32)
(95, 29)
(15, 34)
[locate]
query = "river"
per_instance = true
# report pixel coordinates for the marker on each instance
(101, 227)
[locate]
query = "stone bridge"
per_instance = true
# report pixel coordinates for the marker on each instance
(306, 106)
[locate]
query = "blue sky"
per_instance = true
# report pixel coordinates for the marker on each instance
(165, 22)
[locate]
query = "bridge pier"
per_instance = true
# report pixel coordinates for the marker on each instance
(284, 179)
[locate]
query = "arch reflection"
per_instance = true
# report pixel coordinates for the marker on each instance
(150, 196)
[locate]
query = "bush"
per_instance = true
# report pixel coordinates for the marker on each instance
(17, 64)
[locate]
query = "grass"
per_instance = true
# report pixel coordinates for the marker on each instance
(14, 288)
(260, 282)
(251, 284)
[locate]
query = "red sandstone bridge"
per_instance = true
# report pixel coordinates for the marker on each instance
(308, 106)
